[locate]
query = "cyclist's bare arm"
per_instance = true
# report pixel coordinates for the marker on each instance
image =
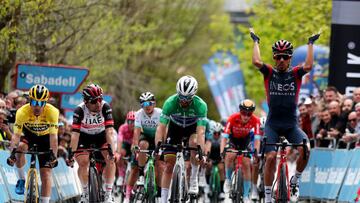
(160, 133)
(110, 137)
(200, 132)
(15, 141)
(74, 140)
(256, 58)
(223, 144)
(309, 58)
(54, 143)
(207, 146)
(137, 132)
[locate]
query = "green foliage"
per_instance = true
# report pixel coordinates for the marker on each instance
(281, 19)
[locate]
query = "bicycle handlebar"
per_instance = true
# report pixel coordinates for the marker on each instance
(283, 145)
(91, 150)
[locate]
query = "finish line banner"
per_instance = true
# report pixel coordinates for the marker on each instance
(344, 72)
(226, 82)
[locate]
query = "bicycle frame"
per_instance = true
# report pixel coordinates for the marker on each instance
(31, 170)
(283, 161)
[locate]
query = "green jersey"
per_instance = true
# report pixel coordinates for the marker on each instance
(195, 113)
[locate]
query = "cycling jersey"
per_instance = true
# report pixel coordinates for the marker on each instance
(282, 91)
(125, 135)
(237, 129)
(147, 123)
(26, 122)
(90, 123)
(195, 113)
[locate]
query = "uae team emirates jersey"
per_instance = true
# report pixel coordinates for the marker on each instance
(282, 91)
(91, 123)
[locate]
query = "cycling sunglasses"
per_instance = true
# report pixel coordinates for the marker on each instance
(282, 56)
(245, 113)
(130, 121)
(37, 103)
(147, 103)
(96, 100)
(185, 98)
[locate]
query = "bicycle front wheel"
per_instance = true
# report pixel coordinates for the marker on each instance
(239, 187)
(175, 192)
(32, 190)
(150, 184)
(215, 185)
(94, 186)
(282, 191)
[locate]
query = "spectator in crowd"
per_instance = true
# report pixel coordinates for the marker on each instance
(312, 111)
(2, 95)
(356, 95)
(347, 106)
(337, 123)
(19, 102)
(331, 94)
(5, 133)
(305, 123)
(350, 135)
(323, 128)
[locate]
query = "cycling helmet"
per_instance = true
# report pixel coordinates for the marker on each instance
(186, 86)
(91, 92)
(39, 93)
(130, 115)
(218, 128)
(262, 122)
(247, 105)
(146, 96)
(282, 46)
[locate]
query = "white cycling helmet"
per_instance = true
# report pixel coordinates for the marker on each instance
(262, 122)
(218, 128)
(186, 86)
(146, 96)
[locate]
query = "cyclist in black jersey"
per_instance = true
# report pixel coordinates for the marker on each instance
(282, 85)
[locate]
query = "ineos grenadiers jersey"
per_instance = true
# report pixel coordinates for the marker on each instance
(91, 123)
(195, 113)
(282, 91)
(147, 123)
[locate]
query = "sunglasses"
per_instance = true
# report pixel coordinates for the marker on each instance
(352, 120)
(245, 113)
(37, 103)
(96, 100)
(282, 56)
(130, 121)
(185, 98)
(147, 103)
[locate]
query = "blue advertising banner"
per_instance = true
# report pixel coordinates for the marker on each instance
(58, 78)
(307, 177)
(64, 178)
(352, 179)
(70, 101)
(4, 195)
(317, 79)
(323, 160)
(226, 79)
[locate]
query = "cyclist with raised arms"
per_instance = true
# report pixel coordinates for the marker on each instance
(282, 85)
(37, 121)
(240, 131)
(184, 114)
(124, 141)
(93, 127)
(146, 121)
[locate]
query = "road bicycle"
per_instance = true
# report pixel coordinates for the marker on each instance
(32, 193)
(261, 187)
(179, 185)
(214, 183)
(282, 194)
(148, 191)
(96, 192)
(119, 189)
(237, 179)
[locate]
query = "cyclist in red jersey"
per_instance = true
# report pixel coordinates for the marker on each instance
(240, 131)
(282, 85)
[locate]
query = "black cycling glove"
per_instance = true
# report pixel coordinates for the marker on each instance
(255, 37)
(313, 38)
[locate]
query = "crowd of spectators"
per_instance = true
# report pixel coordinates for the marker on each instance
(9, 103)
(331, 120)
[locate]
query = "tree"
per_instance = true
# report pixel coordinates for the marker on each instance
(281, 19)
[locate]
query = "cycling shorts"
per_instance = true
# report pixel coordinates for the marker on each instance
(43, 145)
(294, 135)
(176, 134)
(215, 152)
(240, 143)
(148, 139)
(86, 141)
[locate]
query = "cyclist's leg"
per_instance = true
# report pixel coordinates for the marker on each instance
(193, 160)
(109, 174)
(229, 166)
(132, 177)
(82, 160)
(270, 163)
(243, 144)
(170, 160)
(143, 144)
(43, 143)
(20, 162)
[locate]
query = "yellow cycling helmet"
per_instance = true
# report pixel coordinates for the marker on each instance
(39, 93)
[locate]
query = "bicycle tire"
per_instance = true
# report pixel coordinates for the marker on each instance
(94, 186)
(282, 193)
(150, 188)
(31, 197)
(215, 185)
(175, 192)
(239, 187)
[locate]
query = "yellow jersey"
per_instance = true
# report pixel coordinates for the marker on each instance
(46, 123)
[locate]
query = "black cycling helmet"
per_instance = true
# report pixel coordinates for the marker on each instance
(91, 92)
(39, 93)
(282, 47)
(247, 105)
